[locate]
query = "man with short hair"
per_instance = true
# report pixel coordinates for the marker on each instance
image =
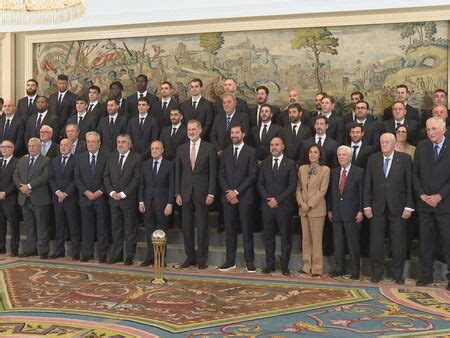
(262, 97)
(174, 135)
(62, 102)
(72, 133)
(372, 127)
(400, 119)
(86, 121)
(229, 87)
(36, 121)
(116, 88)
(402, 95)
(26, 106)
(141, 92)
(49, 148)
(336, 128)
(167, 102)
(355, 97)
(95, 106)
(12, 128)
(294, 97)
(438, 110)
(111, 126)
(318, 105)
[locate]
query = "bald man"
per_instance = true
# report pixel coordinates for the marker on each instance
(12, 128)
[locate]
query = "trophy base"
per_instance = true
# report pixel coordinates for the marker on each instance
(159, 281)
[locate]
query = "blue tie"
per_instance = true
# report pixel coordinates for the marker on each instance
(92, 165)
(436, 152)
(385, 166)
(228, 122)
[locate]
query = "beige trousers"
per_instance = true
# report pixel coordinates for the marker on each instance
(312, 231)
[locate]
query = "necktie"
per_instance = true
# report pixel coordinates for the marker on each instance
(80, 118)
(141, 95)
(193, 156)
(275, 167)
(319, 142)
(30, 165)
(121, 162)
(385, 166)
(4, 164)
(264, 133)
(5, 129)
(30, 103)
(164, 106)
(155, 168)
(228, 122)
(355, 148)
(342, 181)
(39, 121)
(44, 149)
(235, 156)
(194, 105)
(174, 131)
(141, 123)
(111, 122)
(64, 162)
(435, 152)
(257, 115)
(92, 164)
(398, 124)
(90, 107)
(294, 130)
(60, 99)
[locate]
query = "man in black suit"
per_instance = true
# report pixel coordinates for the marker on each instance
(439, 98)
(277, 182)
(36, 121)
(262, 98)
(89, 169)
(49, 148)
(156, 194)
(132, 100)
(361, 150)
(355, 97)
(229, 87)
(174, 135)
(12, 128)
(431, 179)
(143, 128)
(388, 200)
(293, 97)
(438, 110)
(295, 132)
(372, 127)
(65, 200)
(198, 108)
(400, 119)
(26, 106)
(345, 210)
(8, 199)
(95, 107)
(262, 134)
(161, 110)
(237, 175)
(72, 133)
(111, 126)
(195, 187)
(86, 121)
(31, 178)
(402, 95)
(336, 127)
(116, 89)
(318, 106)
(62, 103)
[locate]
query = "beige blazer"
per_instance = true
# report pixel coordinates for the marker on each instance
(312, 190)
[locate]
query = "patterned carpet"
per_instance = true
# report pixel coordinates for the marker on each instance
(62, 299)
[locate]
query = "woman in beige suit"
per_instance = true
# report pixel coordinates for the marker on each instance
(312, 186)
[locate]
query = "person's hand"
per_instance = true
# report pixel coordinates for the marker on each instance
(330, 216)
(178, 200)
(368, 213)
(359, 217)
(209, 200)
(272, 202)
(406, 214)
(168, 210)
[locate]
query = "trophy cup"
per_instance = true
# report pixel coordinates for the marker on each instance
(159, 241)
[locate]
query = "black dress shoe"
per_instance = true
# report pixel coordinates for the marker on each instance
(220, 228)
(268, 269)
(128, 261)
(147, 262)
(76, 257)
(85, 259)
(400, 281)
(28, 254)
(336, 274)
(286, 272)
(14, 252)
(354, 277)
(202, 266)
(43, 255)
(375, 280)
(114, 260)
(55, 256)
(448, 286)
(250, 267)
(424, 282)
(187, 264)
(102, 259)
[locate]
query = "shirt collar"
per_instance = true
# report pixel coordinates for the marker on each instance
(176, 125)
(347, 168)
(357, 144)
(280, 158)
(95, 154)
(143, 93)
(440, 144)
(239, 146)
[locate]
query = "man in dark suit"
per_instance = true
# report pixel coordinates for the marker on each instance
(336, 127)
(262, 98)
(431, 179)
(345, 210)
(156, 194)
(293, 97)
(174, 135)
(132, 100)
(355, 97)
(8, 199)
(277, 182)
(438, 110)
(95, 107)
(229, 87)
(49, 148)
(72, 133)
(86, 121)
(111, 126)
(372, 127)
(143, 128)
(65, 200)
(402, 95)
(36, 121)
(195, 187)
(198, 108)
(12, 128)
(62, 103)
(31, 178)
(116, 89)
(400, 119)
(361, 150)
(26, 106)
(388, 200)
(295, 132)
(161, 110)
(89, 169)
(237, 175)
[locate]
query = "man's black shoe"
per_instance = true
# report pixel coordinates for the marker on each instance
(102, 259)
(268, 269)
(28, 254)
(423, 282)
(251, 267)
(128, 261)
(285, 272)
(336, 274)
(43, 255)
(55, 256)
(400, 281)
(375, 280)
(147, 262)
(354, 277)
(187, 264)
(227, 266)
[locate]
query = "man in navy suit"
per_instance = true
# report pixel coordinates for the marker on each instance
(72, 133)
(262, 97)
(355, 97)
(62, 102)
(156, 194)
(132, 109)
(86, 121)
(161, 110)
(65, 200)
(372, 127)
(111, 126)
(26, 106)
(174, 135)
(95, 107)
(277, 182)
(237, 175)
(336, 128)
(229, 87)
(345, 210)
(12, 128)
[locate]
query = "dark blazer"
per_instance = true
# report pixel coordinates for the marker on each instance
(131, 104)
(329, 148)
(62, 179)
(15, 134)
(22, 108)
(201, 181)
(109, 135)
(430, 177)
(123, 108)
(171, 143)
(163, 115)
(32, 131)
(126, 180)
(159, 190)
(262, 147)
(7, 184)
(411, 113)
(345, 207)
(336, 128)
(363, 155)
(292, 145)
(253, 112)
(281, 186)
(142, 137)
(99, 111)
(241, 106)
(395, 191)
(63, 110)
(220, 136)
(89, 123)
(238, 175)
(81, 147)
(53, 151)
(204, 113)
(411, 127)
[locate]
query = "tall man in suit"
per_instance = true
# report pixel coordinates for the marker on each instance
(277, 182)
(237, 175)
(336, 128)
(72, 133)
(293, 97)
(388, 200)
(361, 150)
(195, 187)
(372, 127)
(174, 135)
(111, 126)
(62, 103)
(262, 98)
(116, 89)
(161, 110)
(36, 121)
(49, 148)
(61, 175)
(431, 179)
(142, 92)
(156, 194)
(122, 177)
(89, 169)
(95, 107)
(345, 210)
(86, 121)
(402, 95)
(26, 106)
(12, 128)
(355, 97)
(229, 87)
(31, 178)
(8, 199)
(400, 119)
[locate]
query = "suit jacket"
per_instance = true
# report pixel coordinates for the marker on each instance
(241, 106)
(62, 179)
(262, 147)
(336, 128)
(131, 104)
(15, 134)
(142, 137)
(37, 177)
(157, 190)
(345, 207)
(430, 177)
(32, 131)
(292, 145)
(163, 115)
(53, 151)
(89, 123)
(363, 155)
(200, 182)
(411, 113)
(393, 191)
(171, 143)
(126, 180)
(238, 175)
(372, 129)
(63, 110)
(253, 112)
(204, 113)
(7, 184)
(220, 135)
(22, 108)
(80, 147)
(329, 147)
(123, 108)
(411, 127)
(311, 189)
(109, 135)
(98, 112)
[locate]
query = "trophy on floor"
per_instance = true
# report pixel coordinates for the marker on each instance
(159, 240)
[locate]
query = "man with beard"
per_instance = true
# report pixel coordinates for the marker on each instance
(174, 135)
(141, 92)
(41, 117)
(26, 106)
(116, 88)
(229, 87)
(262, 98)
(161, 110)
(62, 103)
(354, 98)
(293, 97)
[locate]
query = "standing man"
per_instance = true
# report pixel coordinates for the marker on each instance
(65, 200)
(402, 95)
(372, 127)
(62, 103)
(174, 135)
(26, 106)
(161, 110)
(72, 133)
(336, 128)
(36, 121)
(31, 178)
(49, 148)
(262, 98)
(229, 87)
(361, 150)
(12, 128)
(431, 179)
(388, 200)
(400, 119)
(237, 175)
(122, 176)
(116, 88)
(111, 126)
(95, 108)
(156, 194)
(86, 121)
(195, 187)
(293, 97)
(355, 97)
(141, 92)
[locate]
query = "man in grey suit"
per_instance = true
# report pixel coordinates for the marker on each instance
(195, 186)
(31, 178)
